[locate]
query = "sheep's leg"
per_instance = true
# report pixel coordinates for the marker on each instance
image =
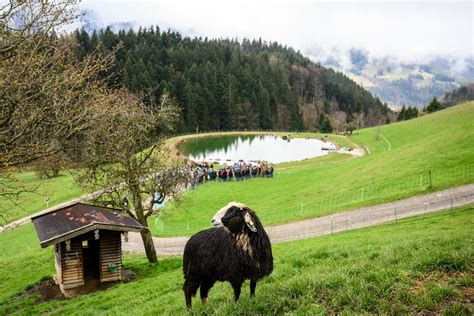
(236, 286)
(190, 288)
(205, 287)
(187, 296)
(253, 285)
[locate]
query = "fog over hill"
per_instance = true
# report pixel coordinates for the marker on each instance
(404, 52)
(399, 82)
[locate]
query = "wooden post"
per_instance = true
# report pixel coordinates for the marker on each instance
(331, 226)
(421, 181)
(362, 194)
(431, 182)
(452, 202)
(395, 211)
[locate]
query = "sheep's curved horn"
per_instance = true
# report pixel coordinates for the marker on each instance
(249, 221)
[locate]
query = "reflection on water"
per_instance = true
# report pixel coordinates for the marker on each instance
(262, 147)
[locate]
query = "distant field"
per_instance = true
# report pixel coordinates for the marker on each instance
(402, 154)
(59, 189)
(63, 188)
(420, 265)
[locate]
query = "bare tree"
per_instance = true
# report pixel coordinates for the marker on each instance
(333, 105)
(47, 99)
(338, 120)
(123, 156)
(31, 21)
(374, 117)
(283, 118)
(47, 96)
(359, 120)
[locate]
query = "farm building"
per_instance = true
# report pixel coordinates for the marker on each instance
(87, 243)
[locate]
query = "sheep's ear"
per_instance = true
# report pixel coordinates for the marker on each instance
(249, 221)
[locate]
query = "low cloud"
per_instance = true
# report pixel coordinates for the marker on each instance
(406, 31)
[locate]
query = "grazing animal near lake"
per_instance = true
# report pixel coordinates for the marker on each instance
(239, 250)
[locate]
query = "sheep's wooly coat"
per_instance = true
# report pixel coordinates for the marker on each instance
(238, 251)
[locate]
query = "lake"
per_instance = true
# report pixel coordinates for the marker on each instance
(251, 148)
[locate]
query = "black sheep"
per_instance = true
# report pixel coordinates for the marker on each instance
(238, 251)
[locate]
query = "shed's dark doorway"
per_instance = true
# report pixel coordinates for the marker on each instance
(90, 251)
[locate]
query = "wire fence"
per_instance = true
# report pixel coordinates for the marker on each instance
(390, 212)
(365, 196)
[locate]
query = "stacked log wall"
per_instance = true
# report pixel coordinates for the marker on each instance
(110, 256)
(71, 264)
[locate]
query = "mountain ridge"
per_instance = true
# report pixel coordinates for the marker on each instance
(398, 82)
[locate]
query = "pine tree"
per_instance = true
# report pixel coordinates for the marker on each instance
(401, 114)
(326, 126)
(433, 106)
(211, 78)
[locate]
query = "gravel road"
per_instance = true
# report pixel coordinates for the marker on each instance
(353, 219)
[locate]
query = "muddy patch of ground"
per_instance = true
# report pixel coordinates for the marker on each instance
(47, 290)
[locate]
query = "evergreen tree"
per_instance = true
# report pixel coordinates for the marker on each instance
(433, 106)
(214, 81)
(401, 114)
(326, 126)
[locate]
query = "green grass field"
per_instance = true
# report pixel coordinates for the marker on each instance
(63, 188)
(401, 156)
(417, 265)
(59, 189)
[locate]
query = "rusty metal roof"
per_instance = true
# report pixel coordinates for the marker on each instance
(78, 219)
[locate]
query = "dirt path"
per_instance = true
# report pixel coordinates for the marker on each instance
(362, 217)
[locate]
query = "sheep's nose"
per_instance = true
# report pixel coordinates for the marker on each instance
(213, 220)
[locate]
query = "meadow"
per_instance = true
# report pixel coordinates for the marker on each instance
(417, 265)
(402, 155)
(58, 189)
(63, 188)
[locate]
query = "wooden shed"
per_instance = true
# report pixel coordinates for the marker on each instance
(87, 243)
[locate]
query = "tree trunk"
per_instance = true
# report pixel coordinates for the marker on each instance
(149, 245)
(146, 234)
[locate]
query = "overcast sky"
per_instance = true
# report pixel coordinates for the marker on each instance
(407, 30)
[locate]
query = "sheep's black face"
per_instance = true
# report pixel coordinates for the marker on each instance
(236, 219)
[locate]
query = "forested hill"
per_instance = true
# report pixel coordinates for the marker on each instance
(463, 93)
(225, 84)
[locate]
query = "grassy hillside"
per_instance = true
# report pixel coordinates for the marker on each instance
(417, 265)
(401, 156)
(59, 189)
(63, 188)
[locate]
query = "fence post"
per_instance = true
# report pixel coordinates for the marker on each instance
(301, 210)
(452, 202)
(362, 194)
(331, 226)
(395, 211)
(431, 182)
